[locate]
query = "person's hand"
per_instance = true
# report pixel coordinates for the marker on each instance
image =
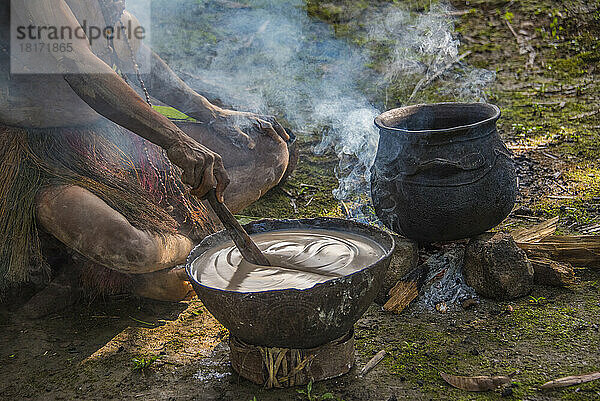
(241, 127)
(202, 168)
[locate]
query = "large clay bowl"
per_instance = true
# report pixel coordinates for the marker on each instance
(294, 318)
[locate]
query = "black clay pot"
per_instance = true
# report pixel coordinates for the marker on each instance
(442, 172)
(294, 318)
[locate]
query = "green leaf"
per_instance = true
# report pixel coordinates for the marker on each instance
(172, 113)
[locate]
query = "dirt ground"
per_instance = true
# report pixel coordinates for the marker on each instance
(551, 120)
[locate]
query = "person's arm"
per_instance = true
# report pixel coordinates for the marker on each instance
(164, 84)
(111, 97)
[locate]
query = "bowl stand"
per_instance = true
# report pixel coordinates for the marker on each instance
(283, 367)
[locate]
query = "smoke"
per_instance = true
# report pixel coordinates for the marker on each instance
(270, 57)
(423, 46)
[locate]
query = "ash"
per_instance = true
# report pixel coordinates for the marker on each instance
(445, 281)
(215, 366)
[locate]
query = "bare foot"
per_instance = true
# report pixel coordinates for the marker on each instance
(61, 292)
(164, 285)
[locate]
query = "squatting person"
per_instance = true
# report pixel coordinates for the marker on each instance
(94, 183)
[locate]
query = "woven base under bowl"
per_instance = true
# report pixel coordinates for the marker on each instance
(284, 367)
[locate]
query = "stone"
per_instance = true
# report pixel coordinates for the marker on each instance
(404, 259)
(496, 267)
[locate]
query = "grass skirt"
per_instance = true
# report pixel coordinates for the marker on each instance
(130, 174)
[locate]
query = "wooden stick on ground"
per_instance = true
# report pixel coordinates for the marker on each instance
(524, 46)
(547, 251)
(372, 363)
(579, 250)
(550, 272)
(537, 232)
(571, 380)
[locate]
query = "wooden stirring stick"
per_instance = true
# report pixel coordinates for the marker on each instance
(240, 237)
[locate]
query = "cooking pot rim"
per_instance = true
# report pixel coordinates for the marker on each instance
(338, 223)
(496, 115)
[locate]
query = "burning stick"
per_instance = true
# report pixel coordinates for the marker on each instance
(407, 289)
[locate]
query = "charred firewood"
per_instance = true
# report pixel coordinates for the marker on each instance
(407, 289)
(550, 272)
